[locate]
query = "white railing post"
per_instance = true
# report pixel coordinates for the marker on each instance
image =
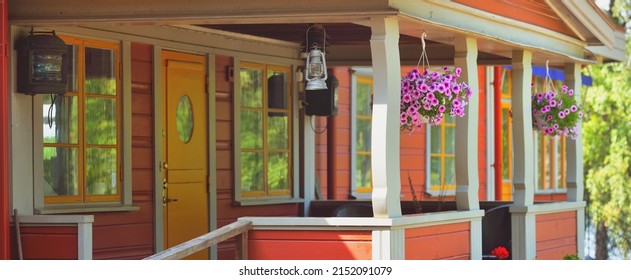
(523, 222)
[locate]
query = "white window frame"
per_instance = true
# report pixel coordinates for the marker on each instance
(294, 197)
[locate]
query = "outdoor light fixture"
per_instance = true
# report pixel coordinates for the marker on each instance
(315, 72)
(42, 64)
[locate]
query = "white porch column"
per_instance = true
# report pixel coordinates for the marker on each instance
(386, 181)
(523, 222)
(574, 157)
(468, 183)
(466, 55)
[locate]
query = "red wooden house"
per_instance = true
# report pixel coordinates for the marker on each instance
(179, 119)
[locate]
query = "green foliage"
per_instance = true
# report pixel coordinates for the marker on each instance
(571, 257)
(607, 156)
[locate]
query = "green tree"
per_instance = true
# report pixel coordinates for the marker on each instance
(607, 156)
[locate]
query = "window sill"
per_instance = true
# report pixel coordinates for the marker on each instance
(70, 209)
(266, 201)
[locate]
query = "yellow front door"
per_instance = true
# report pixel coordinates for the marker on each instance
(185, 153)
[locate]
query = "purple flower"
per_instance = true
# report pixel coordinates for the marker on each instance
(441, 88)
(412, 111)
(456, 88)
(430, 96)
(423, 88)
(456, 103)
(458, 71)
(553, 102)
(434, 102)
(566, 111)
(574, 108)
(441, 109)
(570, 92)
(562, 115)
(406, 98)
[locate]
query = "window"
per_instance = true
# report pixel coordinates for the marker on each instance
(363, 90)
(81, 133)
(550, 158)
(442, 163)
(265, 149)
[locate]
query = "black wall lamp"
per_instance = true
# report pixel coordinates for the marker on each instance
(42, 64)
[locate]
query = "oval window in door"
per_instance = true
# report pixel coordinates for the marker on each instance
(184, 118)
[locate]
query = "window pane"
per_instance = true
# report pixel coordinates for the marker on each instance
(540, 156)
(435, 179)
(277, 136)
(100, 121)
(505, 147)
(251, 172)
(61, 174)
(449, 119)
(506, 86)
(251, 130)
(100, 171)
(362, 172)
(450, 171)
(435, 142)
(184, 119)
(251, 88)
(450, 140)
(278, 171)
(276, 90)
(72, 69)
(364, 93)
(363, 135)
(100, 71)
(60, 120)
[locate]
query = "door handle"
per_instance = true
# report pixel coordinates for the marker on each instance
(166, 200)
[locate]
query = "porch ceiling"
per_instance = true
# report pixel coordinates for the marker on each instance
(349, 43)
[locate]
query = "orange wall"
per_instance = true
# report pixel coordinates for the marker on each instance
(309, 245)
(535, 12)
(440, 242)
(556, 235)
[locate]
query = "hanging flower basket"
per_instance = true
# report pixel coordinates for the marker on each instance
(426, 97)
(556, 114)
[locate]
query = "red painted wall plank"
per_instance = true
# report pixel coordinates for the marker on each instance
(60, 242)
(450, 241)
(556, 235)
(310, 245)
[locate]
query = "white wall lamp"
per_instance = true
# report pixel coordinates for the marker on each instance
(315, 72)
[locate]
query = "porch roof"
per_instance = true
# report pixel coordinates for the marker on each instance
(348, 24)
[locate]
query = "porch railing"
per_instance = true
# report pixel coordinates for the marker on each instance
(239, 229)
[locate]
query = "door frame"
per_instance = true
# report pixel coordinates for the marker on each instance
(158, 144)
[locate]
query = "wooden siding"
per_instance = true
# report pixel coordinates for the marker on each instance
(226, 211)
(441, 242)
(536, 12)
(556, 235)
(310, 245)
(130, 235)
(551, 197)
(60, 242)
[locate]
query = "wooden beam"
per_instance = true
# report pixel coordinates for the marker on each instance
(523, 222)
(204, 241)
(386, 179)
(467, 128)
(574, 148)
